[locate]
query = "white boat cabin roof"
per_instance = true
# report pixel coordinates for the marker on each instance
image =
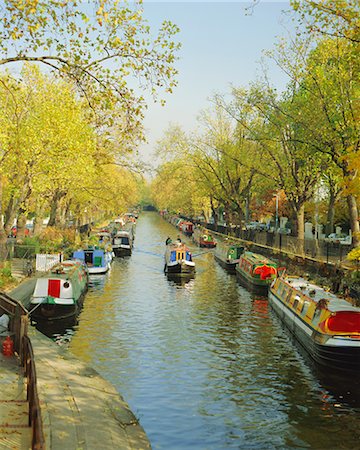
(317, 293)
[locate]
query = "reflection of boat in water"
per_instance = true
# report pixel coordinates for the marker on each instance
(97, 260)
(178, 260)
(228, 255)
(181, 281)
(60, 294)
(327, 326)
(256, 271)
(55, 328)
(97, 281)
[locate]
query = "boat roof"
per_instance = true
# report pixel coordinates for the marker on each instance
(256, 258)
(317, 293)
(178, 246)
(122, 233)
(65, 267)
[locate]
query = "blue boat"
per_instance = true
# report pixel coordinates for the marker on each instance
(97, 260)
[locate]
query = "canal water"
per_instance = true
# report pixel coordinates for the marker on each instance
(203, 363)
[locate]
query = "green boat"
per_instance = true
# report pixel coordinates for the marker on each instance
(60, 294)
(228, 255)
(256, 272)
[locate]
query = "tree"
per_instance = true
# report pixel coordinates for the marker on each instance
(98, 46)
(336, 18)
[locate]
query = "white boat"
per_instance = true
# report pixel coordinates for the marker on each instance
(327, 326)
(178, 259)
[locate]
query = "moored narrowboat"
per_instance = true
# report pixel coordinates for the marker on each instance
(256, 272)
(97, 260)
(178, 259)
(187, 228)
(228, 255)
(122, 243)
(203, 238)
(60, 294)
(327, 326)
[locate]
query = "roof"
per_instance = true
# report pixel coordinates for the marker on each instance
(317, 293)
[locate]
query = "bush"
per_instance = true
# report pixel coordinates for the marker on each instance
(54, 240)
(354, 255)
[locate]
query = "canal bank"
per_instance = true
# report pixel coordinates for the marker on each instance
(203, 362)
(80, 409)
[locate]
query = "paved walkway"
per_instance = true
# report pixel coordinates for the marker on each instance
(80, 410)
(14, 430)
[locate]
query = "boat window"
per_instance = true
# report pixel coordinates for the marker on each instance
(296, 301)
(289, 294)
(88, 257)
(125, 240)
(317, 313)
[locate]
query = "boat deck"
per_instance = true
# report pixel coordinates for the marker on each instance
(14, 430)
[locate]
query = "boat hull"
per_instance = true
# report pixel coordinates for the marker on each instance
(325, 350)
(254, 285)
(204, 244)
(98, 270)
(179, 268)
(120, 251)
(56, 312)
(229, 266)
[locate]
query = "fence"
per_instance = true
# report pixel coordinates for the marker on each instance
(35, 421)
(46, 262)
(321, 249)
(18, 328)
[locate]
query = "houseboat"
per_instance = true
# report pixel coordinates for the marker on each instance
(122, 243)
(187, 228)
(327, 326)
(203, 238)
(228, 255)
(97, 260)
(60, 294)
(178, 260)
(256, 272)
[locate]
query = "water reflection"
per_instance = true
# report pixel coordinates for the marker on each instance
(205, 364)
(180, 280)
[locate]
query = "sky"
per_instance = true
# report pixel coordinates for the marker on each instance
(222, 45)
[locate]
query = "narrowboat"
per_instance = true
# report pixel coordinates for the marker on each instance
(178, 260)
(256, 272)
(97, 260)
(122, 243)
(327, 326)
(203, 238)
(228, 255)
(187, 228)
(60, 294)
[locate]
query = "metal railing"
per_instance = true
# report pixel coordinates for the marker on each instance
(35, 421)
(320, 249)
(22, 345)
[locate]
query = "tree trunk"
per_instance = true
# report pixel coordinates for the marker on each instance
(247, 209)
(21, 224)
(3, 235)
(58, 195)
(354, 219)
(330, 214)
(300, 214)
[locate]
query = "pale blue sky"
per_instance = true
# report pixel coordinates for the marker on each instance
(221, 45)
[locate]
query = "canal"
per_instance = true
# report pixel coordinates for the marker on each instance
(204, 364)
